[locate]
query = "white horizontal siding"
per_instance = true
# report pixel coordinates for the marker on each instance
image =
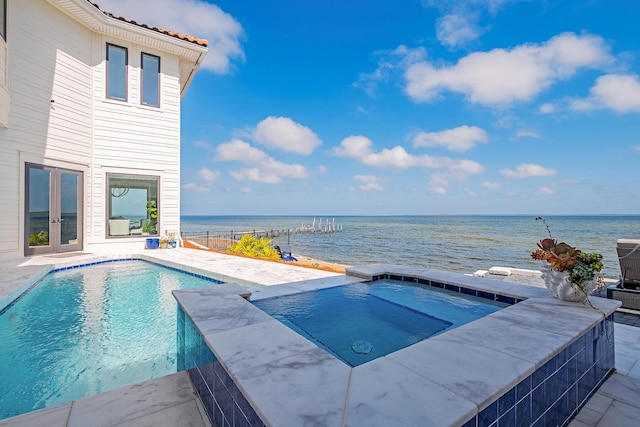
(49, 64)
(52, 57)
(48, 57)
(4, 86)
(9, 199)
(131, 138)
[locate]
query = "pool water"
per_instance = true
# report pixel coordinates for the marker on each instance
(358, 323)
(87, 330)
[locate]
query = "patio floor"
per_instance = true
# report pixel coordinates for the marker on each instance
(171, 400)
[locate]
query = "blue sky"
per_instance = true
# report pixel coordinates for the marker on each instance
(408, 106)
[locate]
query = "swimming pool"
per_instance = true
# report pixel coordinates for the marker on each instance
(87, 330)
(361, 322)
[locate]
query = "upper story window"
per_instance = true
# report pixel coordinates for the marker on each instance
(117, 61)
(3, 19)
(150, 80)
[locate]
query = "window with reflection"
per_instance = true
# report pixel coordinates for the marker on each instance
(150, 80)
(132, 205)
(117, 60)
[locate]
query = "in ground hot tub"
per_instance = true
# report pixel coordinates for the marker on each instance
(361, 322)
(536, 362)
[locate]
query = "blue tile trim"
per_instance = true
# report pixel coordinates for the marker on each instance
(450, 287)
(221, 399)
(73, 267)
(19, 297)
(199, 276)
(557, 390)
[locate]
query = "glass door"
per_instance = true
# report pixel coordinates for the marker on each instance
(53, 209)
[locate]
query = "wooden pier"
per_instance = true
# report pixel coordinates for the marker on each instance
(327, 227)
(221, 241)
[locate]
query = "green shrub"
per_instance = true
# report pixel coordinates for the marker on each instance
(39, 239)
(257, 248)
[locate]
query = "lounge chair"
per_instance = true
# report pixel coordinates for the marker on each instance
(285, 253)
(629, 258)
(626, 291)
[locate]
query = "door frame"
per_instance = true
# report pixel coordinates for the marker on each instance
(55, 208)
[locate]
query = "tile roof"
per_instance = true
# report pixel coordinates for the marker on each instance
(195, 40)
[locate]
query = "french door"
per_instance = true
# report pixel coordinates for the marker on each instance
(53, 210)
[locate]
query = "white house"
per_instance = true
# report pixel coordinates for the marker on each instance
(89, 126)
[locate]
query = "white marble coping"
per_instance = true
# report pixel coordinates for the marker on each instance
(509, 289)
(441, 381)
(17, 275)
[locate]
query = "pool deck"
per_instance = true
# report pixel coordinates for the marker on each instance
(172, 401)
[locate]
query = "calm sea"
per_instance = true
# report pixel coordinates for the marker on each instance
(456, 243)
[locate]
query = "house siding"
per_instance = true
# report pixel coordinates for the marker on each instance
(58, 115)
(128, 134)
(4, 85)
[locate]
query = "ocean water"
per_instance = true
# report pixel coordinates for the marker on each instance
(462, 244)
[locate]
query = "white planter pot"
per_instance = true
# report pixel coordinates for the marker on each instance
(558, 284)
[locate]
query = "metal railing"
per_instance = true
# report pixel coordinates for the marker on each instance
(222, 241)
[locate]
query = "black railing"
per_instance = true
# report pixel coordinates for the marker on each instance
(222, 241)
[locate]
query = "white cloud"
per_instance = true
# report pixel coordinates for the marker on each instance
(546, 190)
(240, 151)
(503, 76)
(370, 182)
(361, 109)
(491, 185)
(360, 148)
(262, 168)
(192, 17)
(208, 175)
(438, 184)
(527, 170)
(196, 188)
(461, 138)
(287, 135)
(354, 147)
(636, 148)
(548, 108)
(256, 175)
(202, 144)
(391, 64)
(459, 24)
(617, 92)
(456, 30)
(492, 6)
(527, 134)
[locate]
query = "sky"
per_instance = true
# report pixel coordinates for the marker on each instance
(408, 107)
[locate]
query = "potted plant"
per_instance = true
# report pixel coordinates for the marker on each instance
(172, 239)
(152, 212)
(164, 241)
(147, 227)
(568, 273)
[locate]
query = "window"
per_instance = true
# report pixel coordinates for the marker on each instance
(117, 61)
(150, 80)
(132, 205)
(3, 19)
